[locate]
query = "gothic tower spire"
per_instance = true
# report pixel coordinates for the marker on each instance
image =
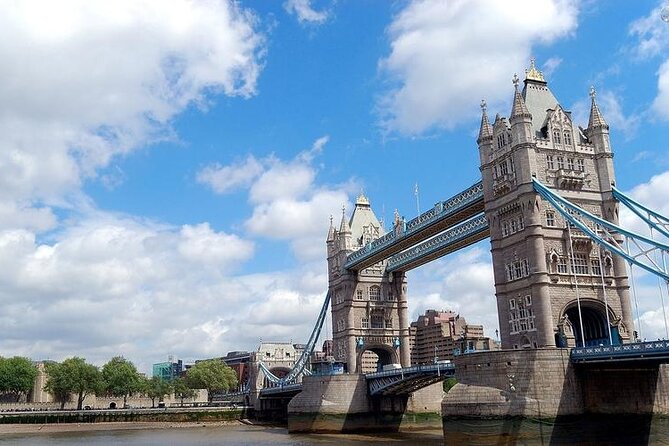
(485, 132)
(596, 120)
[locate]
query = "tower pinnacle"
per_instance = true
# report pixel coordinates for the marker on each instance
(485, 131)
(596, 120)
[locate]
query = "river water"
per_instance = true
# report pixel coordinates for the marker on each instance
(577, 431)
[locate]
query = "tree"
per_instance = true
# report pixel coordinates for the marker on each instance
(449, 383)
(121, 378)
(17, 376)
(73, 375)
(156, 388)
(181, 390)
(213, 375)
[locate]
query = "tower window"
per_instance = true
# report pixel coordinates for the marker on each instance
(550, 218)
(503, 168)
(556, 137)
(358, 294)
(374, 293)
(562, 265)
(596, 267)
(501, 140)
(570, 163)
(550, 162)
(365, 322)
(389, 323)
(560, 162)
(567, 137)
(580, 165)
(377, 321)
(580, 264)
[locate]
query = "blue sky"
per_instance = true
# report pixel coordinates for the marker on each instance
(168, 168)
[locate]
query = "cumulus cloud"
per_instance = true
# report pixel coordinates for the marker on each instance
(610, 103)
(304, 12)
(661, 102)
(445, 56)
(223, 179)
(651, 32)
(84, 82)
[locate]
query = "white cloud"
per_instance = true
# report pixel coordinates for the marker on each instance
(652, 34)
(83, 82)
(445, 56)
(304, 12)
(223, 179)
(661, 102)
(611, 106)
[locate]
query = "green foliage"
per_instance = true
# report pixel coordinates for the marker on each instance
(73, 375)
(449, 383)
(182, 390)
(213, 375)
(121, 378)
(156, 388)
(17, 376)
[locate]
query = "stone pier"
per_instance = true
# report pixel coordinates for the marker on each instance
(340, 403)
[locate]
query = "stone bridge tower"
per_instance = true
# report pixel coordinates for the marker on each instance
(553, 285)
(369, 307)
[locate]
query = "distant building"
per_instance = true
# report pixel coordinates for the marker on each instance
(440, 335)
(168, 371)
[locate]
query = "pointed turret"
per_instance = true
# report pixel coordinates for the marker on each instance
(344, 231)
(519, 109)
(331, 231)
(596, 120)
(521, 118)
(485, 132)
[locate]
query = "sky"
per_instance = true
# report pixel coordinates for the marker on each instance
(168, 168)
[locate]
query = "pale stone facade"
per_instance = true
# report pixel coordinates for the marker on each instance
(541, 265)
(369, 307)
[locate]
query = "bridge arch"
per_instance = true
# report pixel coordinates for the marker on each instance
(279, 372)
(385, 355)
(595, 329)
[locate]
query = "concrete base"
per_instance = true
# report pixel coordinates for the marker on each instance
(340, 403)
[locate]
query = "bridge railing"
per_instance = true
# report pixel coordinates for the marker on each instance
(441, 210)
(285, 388)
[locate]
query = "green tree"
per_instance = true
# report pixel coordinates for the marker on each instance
(156, 388)
(449, 383)
(182, 390)
(72, 376)
(213, 375)
(17, 376)
(121, 378)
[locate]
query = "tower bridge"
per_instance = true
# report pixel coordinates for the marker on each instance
(548, 203)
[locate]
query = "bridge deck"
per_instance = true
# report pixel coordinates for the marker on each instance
(446, 214)
(408, 379)
(654, 351)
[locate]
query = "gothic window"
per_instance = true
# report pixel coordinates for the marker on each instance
(374, 293)
(525, 266)
(570, 163)
(596, 267)
(501, 140)
(359, 294)
(509, 272)
(377, 321)
(512, 304)
(389, 323)
(514, 226)
(517, 270)
(391, 296)
(562, 265)
(560, 162)
(341, 325)
(365, 322)
(505, 228)
(556, 137)
(550, 218)
(580, 264)
(580, 166)
(503, 168)
(521, 223)
(550, 162)
(528, 300)
(567, 137)
(511, 166)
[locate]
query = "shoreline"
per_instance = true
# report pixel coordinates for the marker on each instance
(21, 429)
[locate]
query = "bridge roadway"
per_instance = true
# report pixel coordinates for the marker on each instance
(441, 217)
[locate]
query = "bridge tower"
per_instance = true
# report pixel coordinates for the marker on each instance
(369, 306)
(553, 285)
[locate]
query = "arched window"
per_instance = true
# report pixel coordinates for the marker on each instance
(567, 137)
(374, 293)
(556, 137)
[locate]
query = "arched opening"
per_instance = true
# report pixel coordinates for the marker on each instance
(595, 330)
(373, 358)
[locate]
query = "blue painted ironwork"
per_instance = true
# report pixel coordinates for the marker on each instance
(442, 210)
(302, 361)
(579, 217)
(653, 219)
(454, 236)
(409, 379)
(649, 351)
(279, 390)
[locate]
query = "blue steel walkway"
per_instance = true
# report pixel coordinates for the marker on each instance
(649, 352)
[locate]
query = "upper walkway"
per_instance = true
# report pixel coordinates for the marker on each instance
(442, 216)
(647, 352)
